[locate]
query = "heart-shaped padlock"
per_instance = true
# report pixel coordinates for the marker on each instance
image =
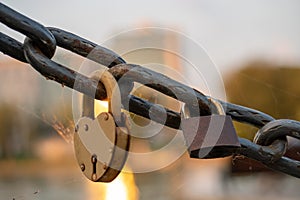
(102, 143)
(209, 136)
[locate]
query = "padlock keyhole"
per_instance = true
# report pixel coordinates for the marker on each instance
(94, 163)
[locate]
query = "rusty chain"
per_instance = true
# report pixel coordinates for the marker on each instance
(270, 143)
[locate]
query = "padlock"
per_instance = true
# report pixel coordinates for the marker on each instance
(101, 144)
(210, 136)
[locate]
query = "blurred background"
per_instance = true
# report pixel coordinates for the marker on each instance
(254, 44)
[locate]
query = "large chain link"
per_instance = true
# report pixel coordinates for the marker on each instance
(268, 147)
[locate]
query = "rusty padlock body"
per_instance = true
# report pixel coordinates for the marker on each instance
(211, 136)
(101, 144)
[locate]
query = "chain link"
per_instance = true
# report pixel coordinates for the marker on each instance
(268, 147)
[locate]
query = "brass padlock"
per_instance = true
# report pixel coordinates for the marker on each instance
(102, 143)
(209, 136)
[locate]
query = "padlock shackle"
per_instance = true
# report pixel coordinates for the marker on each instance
(113, 96)
(216, 108)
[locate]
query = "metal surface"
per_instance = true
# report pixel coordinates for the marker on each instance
(266, 155)
(32, 29)
(101, 144)
(85, 48)
(209, 136)
(96, 142)
(40, 45)
(113, 96)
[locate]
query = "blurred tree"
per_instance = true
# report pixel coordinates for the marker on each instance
(19, 129)
(6, 130)
(266, 87)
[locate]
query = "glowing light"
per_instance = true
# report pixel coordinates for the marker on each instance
(117, 189)
(122, 188)
(100, 106)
